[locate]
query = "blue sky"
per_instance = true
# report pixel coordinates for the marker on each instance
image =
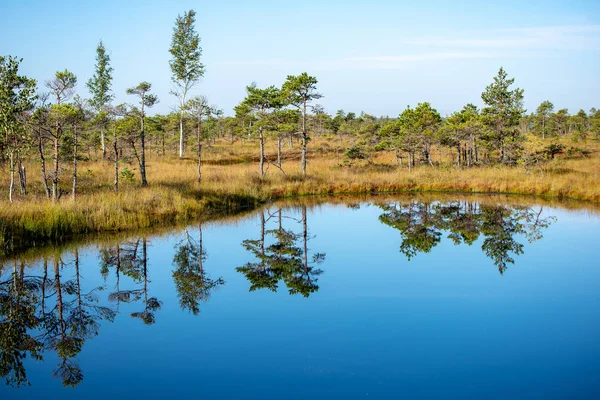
(374, 56)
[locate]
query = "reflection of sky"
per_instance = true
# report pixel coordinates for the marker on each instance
(445, 324)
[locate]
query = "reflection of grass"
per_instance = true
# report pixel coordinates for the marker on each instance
(231, 183)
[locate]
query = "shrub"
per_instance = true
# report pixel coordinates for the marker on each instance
(127, 175)
(553, 149)
(355, 153)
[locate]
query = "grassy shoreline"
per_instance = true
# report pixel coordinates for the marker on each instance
(50, 248)
(174, 197)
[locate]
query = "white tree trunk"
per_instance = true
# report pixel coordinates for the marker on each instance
(12, 176)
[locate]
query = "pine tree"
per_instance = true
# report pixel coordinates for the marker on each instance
(503, 112)
(299, 91)
(99, 86)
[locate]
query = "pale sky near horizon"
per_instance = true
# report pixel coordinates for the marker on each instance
(375, 56)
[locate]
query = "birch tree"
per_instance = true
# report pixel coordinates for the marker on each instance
(185, 64)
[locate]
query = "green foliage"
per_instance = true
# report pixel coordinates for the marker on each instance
(261, 103)
(503, 112)
(574, 151)
(463, 128)
(553, 149)
(559, 122)
(198, 108)
(63, 85)
(417, 128)
(355, 153)
(66, 113)
(17, 92)
(262, 100)
(285, 122)
(142, 90)
(100, 83)
(127, 175)
(543, 114)
(298, 90)
(186, 52)
(17, 96)
(595, 122)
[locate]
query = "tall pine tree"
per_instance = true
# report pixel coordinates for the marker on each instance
(99, 86)
(503, 112)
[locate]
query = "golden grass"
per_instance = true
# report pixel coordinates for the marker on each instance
(231, 183)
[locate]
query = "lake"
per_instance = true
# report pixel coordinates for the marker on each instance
(381, 297)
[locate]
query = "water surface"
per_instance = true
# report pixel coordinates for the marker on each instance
(465, 298)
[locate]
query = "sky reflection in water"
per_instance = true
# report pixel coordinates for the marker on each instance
(400, 298)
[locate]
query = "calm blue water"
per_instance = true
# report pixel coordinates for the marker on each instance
(401, 299)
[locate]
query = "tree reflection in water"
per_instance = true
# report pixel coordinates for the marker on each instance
(421, 225)
(193, 284)
(44, 307)
(19, 298)
(131, 260)
(47, 313)
(285, 259)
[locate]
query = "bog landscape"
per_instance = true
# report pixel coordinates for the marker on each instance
(280, 249)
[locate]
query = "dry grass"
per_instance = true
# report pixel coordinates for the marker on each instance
(231, 183)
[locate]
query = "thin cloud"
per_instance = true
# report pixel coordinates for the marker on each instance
(363, 62)
(586, 37)
(424, 57)
(257, 63)
(500, 43)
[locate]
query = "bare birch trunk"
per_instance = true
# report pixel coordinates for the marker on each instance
(43, 166)
(74, 190)
(143, 158)
(262, 153)
(199, 162)
(199, 137)
(116, 150)
(12, 176)
(55, 188)
(279, 151)
(22, 175)
(103, 142)
(304, 139)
